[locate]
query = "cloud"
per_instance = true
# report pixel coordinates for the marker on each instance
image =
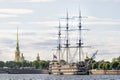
(31, 1)
(15, 11)
(41, 0)
(45, 23)
(92, 20)
(7, 15)
(105, 0)
(111, 0)
(106, 42)
(14, 23)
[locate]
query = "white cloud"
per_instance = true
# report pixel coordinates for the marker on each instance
(14, 23)
(92, 20)
(45, 23)
(41, 0)
(105, 0)
(111, 0)
(107, 43)
(7, 15)
(15, 11)
(32, 1)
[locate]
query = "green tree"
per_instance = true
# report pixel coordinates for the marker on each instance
(114, 59)
(35, 64)
(100, 66)
(43, 64)
(118, 67)
(10, 64)
(2, 64)
(118, 59)
(25, 63)
(18, 64)
(94, 65)
(114, 65)
(107, 65)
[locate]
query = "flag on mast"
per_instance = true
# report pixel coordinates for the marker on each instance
(54, 56)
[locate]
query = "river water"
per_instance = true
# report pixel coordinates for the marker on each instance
(57, 77)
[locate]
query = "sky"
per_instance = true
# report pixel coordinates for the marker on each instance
(37, 21)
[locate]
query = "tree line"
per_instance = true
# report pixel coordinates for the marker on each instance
(42, 64)
(106, 65)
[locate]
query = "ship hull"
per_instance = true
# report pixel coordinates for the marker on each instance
(67, 69)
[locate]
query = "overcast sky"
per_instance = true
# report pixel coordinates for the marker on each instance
(37, 20)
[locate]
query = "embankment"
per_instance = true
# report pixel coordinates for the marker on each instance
(23, 71)
(105, 72)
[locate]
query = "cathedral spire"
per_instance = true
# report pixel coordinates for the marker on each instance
(17, 52)
(17, 47)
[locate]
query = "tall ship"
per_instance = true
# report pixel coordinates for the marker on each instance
(62, 66)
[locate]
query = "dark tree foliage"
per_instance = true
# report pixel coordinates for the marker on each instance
(106, 65)
(42, 64)
(2, 64)
(10, 64)
(118, 67)
(36, 64)
(114, 65)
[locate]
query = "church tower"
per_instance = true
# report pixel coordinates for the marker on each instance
(38, 57)
(22, 58)
(17, 52)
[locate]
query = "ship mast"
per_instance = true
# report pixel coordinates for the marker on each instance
(59, 38)
(80, 42)
(67, 37)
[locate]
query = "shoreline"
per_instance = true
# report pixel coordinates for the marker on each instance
(105, 72)
(23, 71)
(41, 71)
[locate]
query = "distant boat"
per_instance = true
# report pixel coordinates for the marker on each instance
(65, 67)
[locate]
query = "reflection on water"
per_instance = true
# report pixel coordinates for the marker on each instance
(57, 77)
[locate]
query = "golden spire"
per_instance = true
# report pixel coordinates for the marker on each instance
(17, 52)
(17, 47)
(17, 34)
